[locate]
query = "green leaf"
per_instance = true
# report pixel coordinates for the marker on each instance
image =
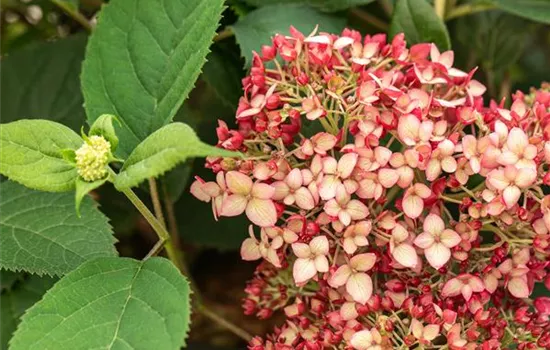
(322, 5)
(260, 25)
(162, 151)
(111, 303)
(42, 81)
(21, 295)
(83, 188)
(103, 126)
(536, 10)
(32, 154)
(143, 59)
(499, 42)
(41, 233)
(418, 20)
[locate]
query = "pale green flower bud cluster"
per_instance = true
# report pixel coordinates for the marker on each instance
(92, 158)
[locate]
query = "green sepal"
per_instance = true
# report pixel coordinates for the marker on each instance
(103, 126)
(82, 188)
(69, 155)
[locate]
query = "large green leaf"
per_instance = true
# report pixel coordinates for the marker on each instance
(257, 28)
(143, 59)
(323, 5)
(32, 154)
(536, 10)
(500, 39)
(162, 151)
(418, 20)
(111, 303)
(21, 295)
(42, 81)
(41, 233)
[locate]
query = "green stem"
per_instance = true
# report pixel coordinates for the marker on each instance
(221, 321)
(74, 14)
(155, 198)
(439, 6)
(468, 9)
(159, 229)
(224, 34)
(372, 20)
(161, 232)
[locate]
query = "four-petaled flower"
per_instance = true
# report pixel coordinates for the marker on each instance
(254, 198)
(352, 275)
(312, 258)
(437, 241)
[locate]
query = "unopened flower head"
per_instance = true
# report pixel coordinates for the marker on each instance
(92, 158)
(395, 210)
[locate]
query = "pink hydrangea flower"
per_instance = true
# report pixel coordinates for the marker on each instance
(437, 241)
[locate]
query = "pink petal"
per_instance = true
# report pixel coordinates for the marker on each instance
(511, 196)
(340, 276)
(294, 179)
(388, 177)
(422, 190)
(357, 210)
(431, 331)
(348, 311)
(449, 164)
(452, 288)
(342, 42)
(304, 199)
(469, 146)
(319, 245)
(433, 169)
(344, 217)
(518, 287)
(261, 212)
(413, 206)
(525, 177)
(362, 340)
(332, 207)
(363, 262)
(262, 191)
(498, 180)
(321, 263)
(301, 250)
(238, 183)
(437, 255)
(233, 205)
(450, 238)
(417, 328)
(250, 250)
(303, 270)
(346, 164)
(405, 254)
(517, 141)
(281, 190)
(327, 188)
(407, 129)
(424, 240)
(433, 224)
(324, 141)
(476, 88)
(197, 191)
(359, 286)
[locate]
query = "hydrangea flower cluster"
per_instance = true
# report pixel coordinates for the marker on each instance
(390, 208)
(92, 158)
